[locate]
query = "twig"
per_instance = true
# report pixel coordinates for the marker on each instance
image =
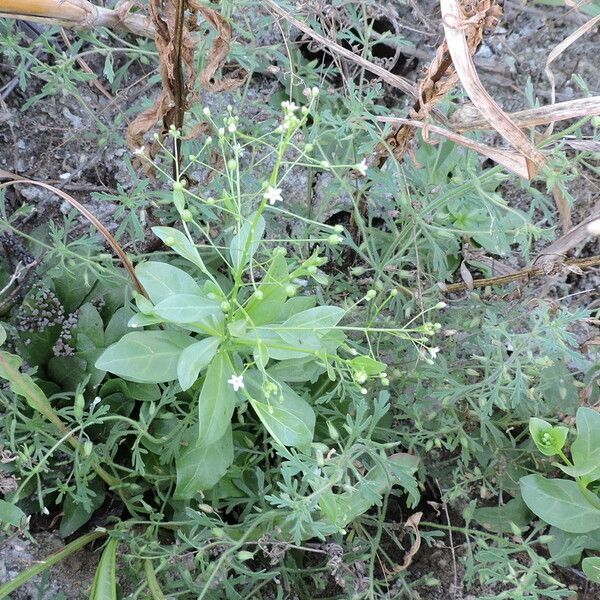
(92, 219)
(575, 263)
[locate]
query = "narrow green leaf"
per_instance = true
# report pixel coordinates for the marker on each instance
(272, 295)
(560, 503)
(193, 359)
(200, 467)
(181, 244)
(104, 586)
(145, 356)
(216, 402)
(245, 243)
(162, 280)
(286, 416)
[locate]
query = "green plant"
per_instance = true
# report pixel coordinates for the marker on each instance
(569, 505)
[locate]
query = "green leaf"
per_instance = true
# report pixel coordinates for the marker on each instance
(299, 370)
(305, 329)
(244, 245)
(200, 467)
(341, 509)
(272, 289)
(566, 548)
(12, 515)
(162, 281)
(104, 586)
(145, 356)
(367, 364)
(75, 515)
(320, 318)
(193, 359)
(117, 326)
(585, 450)
(591, 568)
(189, 308)
(216, 402)
(90, 324)
(286, 416)
(499, 518)
(548, 439)
(295, 305)
(559, 503)
(181, 244)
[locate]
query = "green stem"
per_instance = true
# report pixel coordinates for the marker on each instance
(25, 576)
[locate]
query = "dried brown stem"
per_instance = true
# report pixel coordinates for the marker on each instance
(93, 220)
(572, 264)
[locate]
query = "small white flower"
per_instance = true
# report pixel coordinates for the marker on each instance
(206, 111)
(273, 195)
(139, 151)
(362, 167)
(289, 107)
(433, 352)
(363, 391)
(236, 382)
(221, 131)
(45, 511)
(231, 127)
(239, 151)
(594, 227)
(96, 401)
(441, 305)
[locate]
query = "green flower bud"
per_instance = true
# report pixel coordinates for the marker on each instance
(186, 215)
(225, 306)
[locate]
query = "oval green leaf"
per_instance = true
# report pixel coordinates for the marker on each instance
(560, 503)
(145, 356)
(193, 359)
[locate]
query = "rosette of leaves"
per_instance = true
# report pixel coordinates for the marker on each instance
(206, 332)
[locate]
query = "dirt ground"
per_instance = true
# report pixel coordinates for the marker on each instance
(51, 142)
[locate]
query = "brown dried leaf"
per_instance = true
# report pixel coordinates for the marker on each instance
(571, 109)
(512, 160)
(466, 275)
(564, 210)
(558, 249)
(412, 523)
(218, 53)
(529, 160)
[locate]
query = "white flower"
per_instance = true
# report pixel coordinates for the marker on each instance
(206, 111)
(594, 227)
(433, 352)
(231, 127)
(362, 167)
(139, 151)
(236, 382)
(273, 195)
(289, 106)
